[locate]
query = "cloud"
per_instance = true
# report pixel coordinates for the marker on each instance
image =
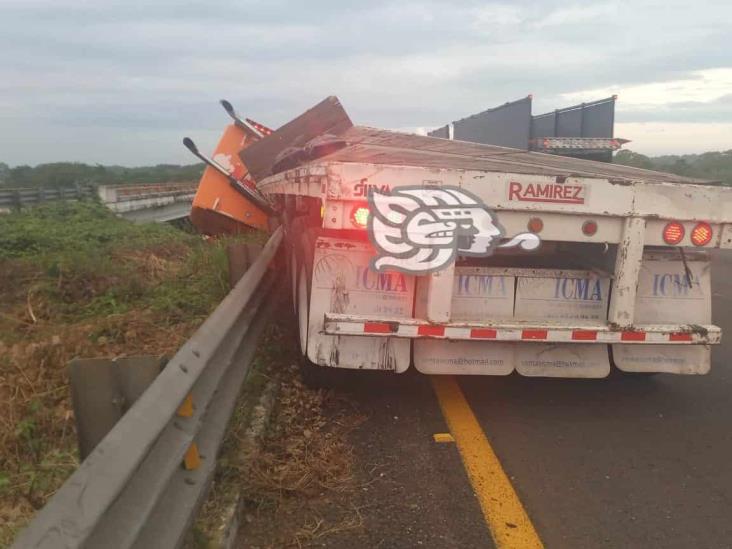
(703, 86)
(580, 13)
(658, 138)
(121, 81)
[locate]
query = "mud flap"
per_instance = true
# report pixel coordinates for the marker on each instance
(669, 359)
(432, 356)
(343, 283)
(477, 293)
(576, 297)
(529, 359)
(562, 360)
(665, 294)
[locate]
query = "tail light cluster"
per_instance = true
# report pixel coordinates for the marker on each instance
(701, 234)
(536, 225)
(359, 216)
(589, 227)
(673, 232)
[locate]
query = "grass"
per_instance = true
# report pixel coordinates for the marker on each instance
(76, 281)
(299, 483)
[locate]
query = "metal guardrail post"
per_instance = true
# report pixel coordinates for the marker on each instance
(103, 389)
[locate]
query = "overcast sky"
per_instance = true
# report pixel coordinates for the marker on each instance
(122, 82)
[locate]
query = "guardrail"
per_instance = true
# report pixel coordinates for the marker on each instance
(159, 202)
(17, 198)
(155, 202)
(127, 193)
(133, 489)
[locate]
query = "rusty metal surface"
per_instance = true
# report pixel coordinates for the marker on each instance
(327, 117)
(627, 267)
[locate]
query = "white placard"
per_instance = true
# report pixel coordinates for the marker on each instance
(579, 299)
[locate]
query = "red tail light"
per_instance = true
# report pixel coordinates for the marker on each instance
(589, 227)
(535, 225)
(673, 233)
(701, 234)
(359, 216)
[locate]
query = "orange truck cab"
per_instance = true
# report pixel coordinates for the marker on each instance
(218, 208)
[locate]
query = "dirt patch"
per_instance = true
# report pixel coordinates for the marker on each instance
(353, 466)
(299, 489)
(298, 485)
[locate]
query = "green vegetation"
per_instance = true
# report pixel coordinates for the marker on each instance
(62, 174)
(88, 262)
(714, 166)
(79, 282)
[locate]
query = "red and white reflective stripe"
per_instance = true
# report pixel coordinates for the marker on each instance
(261, 127)
(566, 335)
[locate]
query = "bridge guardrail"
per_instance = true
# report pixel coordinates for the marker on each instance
(17, 198)
(126, 193)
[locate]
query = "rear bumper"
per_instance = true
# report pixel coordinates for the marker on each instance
(526, 332)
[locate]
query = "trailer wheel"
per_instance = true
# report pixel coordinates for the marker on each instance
(292, 270)
(293, 228)
(303, 310)
(313, 375)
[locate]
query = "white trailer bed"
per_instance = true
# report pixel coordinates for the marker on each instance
(629, 206)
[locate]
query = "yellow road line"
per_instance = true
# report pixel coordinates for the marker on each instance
(507, 520)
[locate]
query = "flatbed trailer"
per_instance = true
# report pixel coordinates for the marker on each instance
(621, 275)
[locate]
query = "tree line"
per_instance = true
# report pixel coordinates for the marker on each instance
(714, 166)
(62, 174)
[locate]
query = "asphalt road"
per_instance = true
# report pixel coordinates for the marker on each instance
(619, 462)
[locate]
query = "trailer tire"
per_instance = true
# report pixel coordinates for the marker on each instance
(305, 235)
(292, 277)
(293, 228)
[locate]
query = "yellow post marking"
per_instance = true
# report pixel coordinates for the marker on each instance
(507, 520)
(186, 407)
(192, 459)
(443, 437)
